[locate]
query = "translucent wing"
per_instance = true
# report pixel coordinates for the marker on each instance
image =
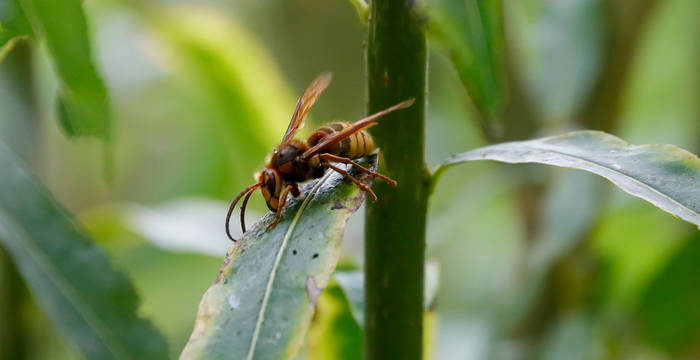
(355, 127)
(306, 101)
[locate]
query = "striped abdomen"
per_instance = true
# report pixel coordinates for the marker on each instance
(356, 146)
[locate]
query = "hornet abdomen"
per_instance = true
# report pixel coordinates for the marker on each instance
(356, 146)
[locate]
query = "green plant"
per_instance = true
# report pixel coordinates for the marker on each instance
(275, 295)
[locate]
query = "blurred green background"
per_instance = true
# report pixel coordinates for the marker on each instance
(201, 91)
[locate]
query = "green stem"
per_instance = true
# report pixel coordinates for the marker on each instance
(625, 22)
(395, 224)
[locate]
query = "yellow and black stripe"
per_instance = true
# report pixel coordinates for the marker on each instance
(355, 146)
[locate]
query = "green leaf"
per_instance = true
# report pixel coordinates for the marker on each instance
(233, 81)
(14, 26)
(562, 228)
(634, 243)
(558, 45)
(362, 9)
(72, 280)
(7, 42)
(335, 333)
(563, 225)
(664, 175)
(171, 305)
(62, 26)
(13, 21)
(668, 308)
(571, 336)
(338, 328)
(64, 118)
(353, 284)
(262, 301)
(471, 33)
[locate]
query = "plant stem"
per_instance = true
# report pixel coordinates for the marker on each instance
(395, 224)
(625, 22)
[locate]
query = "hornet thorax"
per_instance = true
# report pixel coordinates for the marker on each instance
(291, 166)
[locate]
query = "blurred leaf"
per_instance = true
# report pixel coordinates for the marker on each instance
(559, 50)
(71, 279)
(7, 42)
(571, 208)
(13, 26)
(572, 336)
(232, 77)
(362, 9)
(262, 301)
(64, 118)
(633, 243)
(353, 284)
(471, 33)
(663, 175)
(13, 21)
(185, 225)
(83, 99)
(171, 305)
(338, 328)
(668, 307)
(623, 23)
(334, 334)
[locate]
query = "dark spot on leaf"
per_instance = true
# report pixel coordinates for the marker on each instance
(337, 205)
(294, 252)
(315, 256)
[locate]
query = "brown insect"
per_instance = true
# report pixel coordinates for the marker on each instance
(294, 161)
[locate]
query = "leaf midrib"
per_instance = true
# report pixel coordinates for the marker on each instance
(63, 286)
(278, 259)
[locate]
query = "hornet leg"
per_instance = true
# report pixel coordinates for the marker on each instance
(334, 158)
(278, 213)
(362, 186)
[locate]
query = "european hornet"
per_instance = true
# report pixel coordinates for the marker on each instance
(294, 161)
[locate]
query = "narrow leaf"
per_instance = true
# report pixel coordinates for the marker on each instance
(232, 80)
(13, 21)
(664, 175)
(362, 9)
(14, 26)
(334, 333)
(561, 50)
(262, 301)
(72, 280)
(84, 100)
(7, 42)
(667, 308)
(471, 33)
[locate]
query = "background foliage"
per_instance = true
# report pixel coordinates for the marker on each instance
(199, 93)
